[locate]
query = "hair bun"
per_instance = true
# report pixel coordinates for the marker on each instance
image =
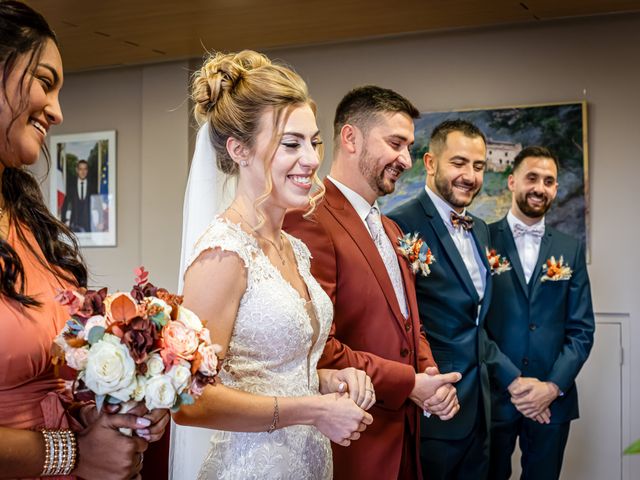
(220, 74)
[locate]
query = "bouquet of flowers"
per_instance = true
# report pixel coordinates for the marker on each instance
(135, 347)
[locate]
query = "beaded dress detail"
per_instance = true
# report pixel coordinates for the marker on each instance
(271, 353)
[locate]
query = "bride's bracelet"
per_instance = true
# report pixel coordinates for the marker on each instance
(61, 452)
(276, 416)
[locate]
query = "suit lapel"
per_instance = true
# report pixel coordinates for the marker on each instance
(511, 252)
(407, 275)
(481, 245)
(345, 215)
(545, 248)
(448, 247)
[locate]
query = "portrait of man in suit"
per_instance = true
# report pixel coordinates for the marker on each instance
(453, 299)
(541, 317)
(76, 208)
(376, 324)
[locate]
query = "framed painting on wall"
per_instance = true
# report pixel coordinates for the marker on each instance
(560, 127)
(83, 185)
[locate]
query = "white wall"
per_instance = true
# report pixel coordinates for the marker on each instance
(593, 59)
(147, 107)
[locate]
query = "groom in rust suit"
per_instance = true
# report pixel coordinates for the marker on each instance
(376, 325)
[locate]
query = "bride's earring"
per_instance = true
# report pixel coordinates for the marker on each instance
(244, 163)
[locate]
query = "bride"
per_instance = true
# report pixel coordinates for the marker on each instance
(274, 412)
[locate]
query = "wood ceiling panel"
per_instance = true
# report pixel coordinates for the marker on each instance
(125, 32)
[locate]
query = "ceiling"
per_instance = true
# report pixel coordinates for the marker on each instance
(101, 34)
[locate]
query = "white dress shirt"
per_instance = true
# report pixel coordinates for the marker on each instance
(357, 201)
(528, 245)
(82, 188)
(464, 242)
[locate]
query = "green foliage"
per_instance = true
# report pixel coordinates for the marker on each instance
(556, 127)
(633, 449)
(96, 334)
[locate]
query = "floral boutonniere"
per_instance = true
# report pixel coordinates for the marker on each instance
(497, 263)
(556, 270)
(417, 252)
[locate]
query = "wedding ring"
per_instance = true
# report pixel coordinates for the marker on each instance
(141, 459)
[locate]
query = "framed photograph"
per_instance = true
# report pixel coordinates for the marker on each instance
(560, 127)
(83, 185)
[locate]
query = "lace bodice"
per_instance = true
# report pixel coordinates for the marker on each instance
(270, 353)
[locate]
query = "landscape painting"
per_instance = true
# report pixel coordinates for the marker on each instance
(559, 127)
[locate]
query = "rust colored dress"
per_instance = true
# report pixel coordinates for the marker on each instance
(31, 396)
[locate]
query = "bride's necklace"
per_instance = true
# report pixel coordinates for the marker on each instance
(279, 250)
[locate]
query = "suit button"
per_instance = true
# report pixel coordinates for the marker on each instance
(532, 327)
(404, 352)
(407, 326)
(525, 361)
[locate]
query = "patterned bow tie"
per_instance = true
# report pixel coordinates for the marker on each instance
(535, 231)
(464, 221)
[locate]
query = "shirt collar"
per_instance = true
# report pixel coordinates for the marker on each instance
(512, 220)
(444, 209)
(357, 201)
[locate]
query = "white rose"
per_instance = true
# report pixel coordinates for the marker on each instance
(77, 358)
(155, 365)
(139, 392)
(209, 365)
(110, 369)
(95, 321)
(180, 376)
(159, 392)
(189, 319)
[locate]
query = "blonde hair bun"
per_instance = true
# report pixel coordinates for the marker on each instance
(220, 74)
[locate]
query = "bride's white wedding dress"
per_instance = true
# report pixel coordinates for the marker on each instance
(270, 353)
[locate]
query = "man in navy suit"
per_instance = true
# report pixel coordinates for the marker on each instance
(453, 299)
(541, 317)
(76, 208)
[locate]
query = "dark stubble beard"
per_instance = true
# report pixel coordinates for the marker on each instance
(366, 165)
(528, 211)
(446, 191)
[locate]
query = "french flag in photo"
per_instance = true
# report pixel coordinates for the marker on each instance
(61, 185)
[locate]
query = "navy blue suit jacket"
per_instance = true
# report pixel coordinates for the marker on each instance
(545, 328)
(449, 305)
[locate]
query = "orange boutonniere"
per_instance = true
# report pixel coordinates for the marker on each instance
(417, 252)
(555, 270)
(497, 263)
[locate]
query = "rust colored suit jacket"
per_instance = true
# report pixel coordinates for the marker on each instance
(369, 331)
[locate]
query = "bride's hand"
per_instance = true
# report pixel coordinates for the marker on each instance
(356, 382)
(341, 419)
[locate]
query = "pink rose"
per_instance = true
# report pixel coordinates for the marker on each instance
(197, 387)
(209, 365)
(179, 340)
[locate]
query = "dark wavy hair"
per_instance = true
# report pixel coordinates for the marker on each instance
(23, 31)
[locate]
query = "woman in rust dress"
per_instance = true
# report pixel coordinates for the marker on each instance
(40, 433)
